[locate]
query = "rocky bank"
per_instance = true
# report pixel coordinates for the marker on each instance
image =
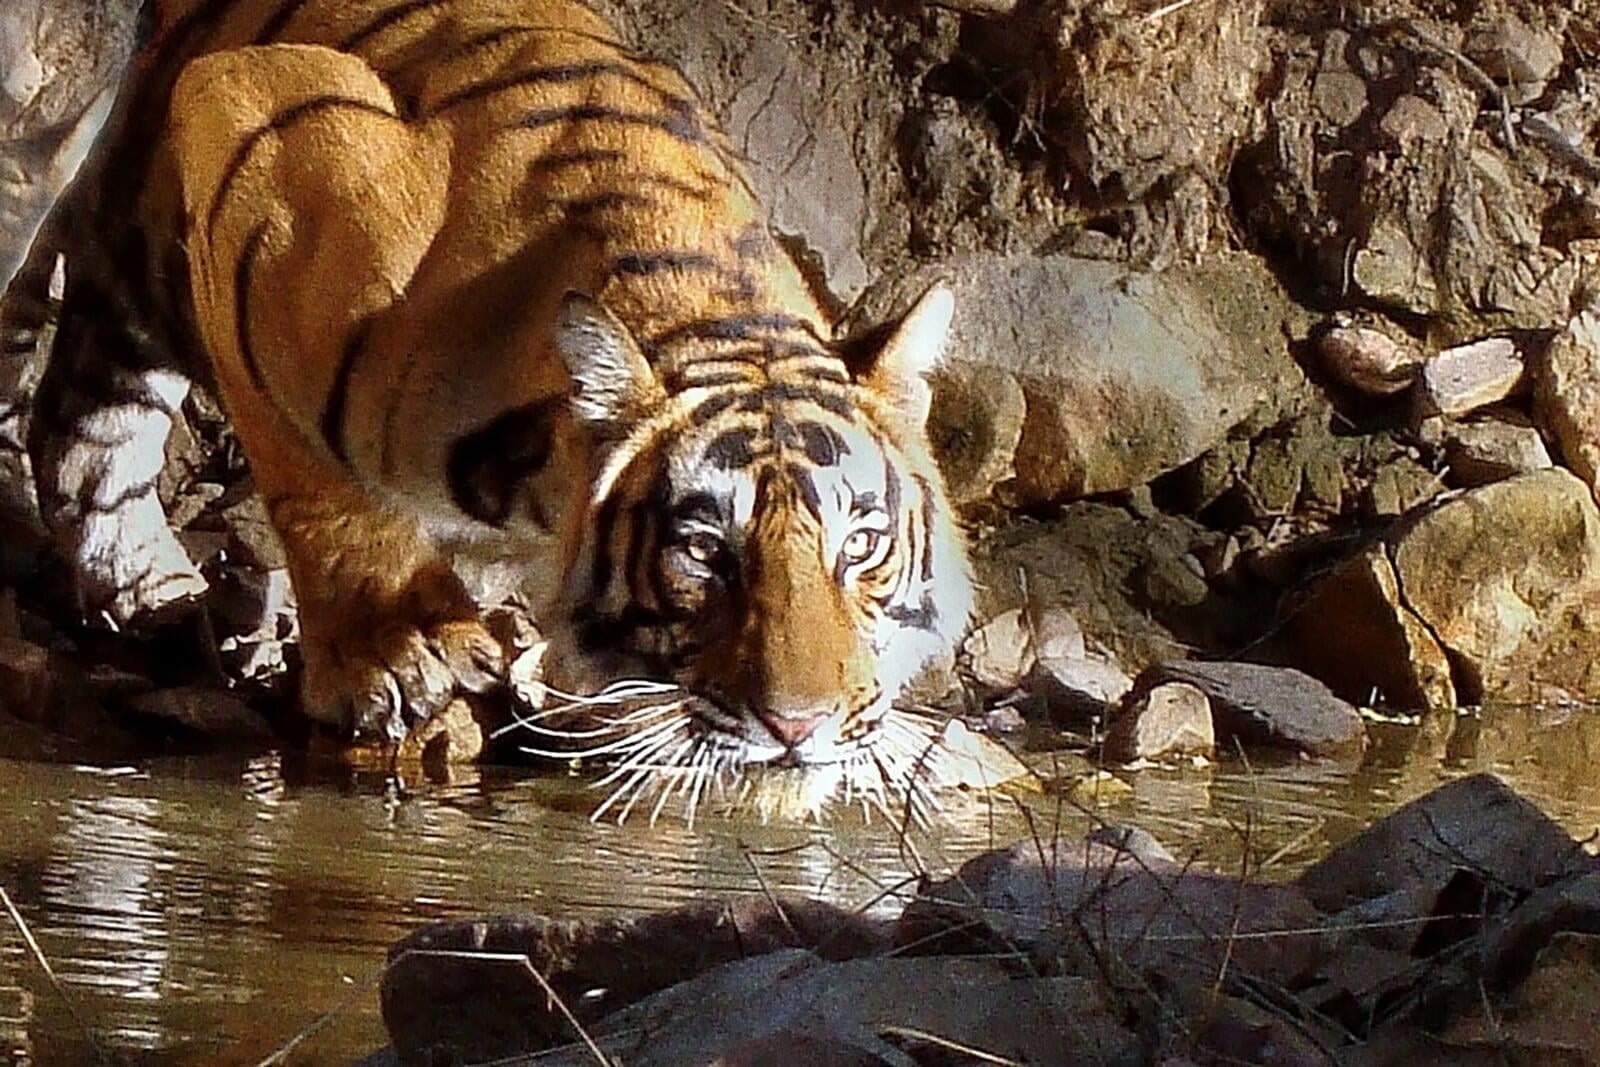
(1278, 342)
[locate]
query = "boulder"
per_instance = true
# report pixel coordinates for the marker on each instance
(1123, 374)
(1170, 720)
(1255, 704)
(1493, 594)
(1477, 822)
(1566, 393)
(1076, 686)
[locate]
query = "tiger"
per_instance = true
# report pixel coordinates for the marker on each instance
(474, 279)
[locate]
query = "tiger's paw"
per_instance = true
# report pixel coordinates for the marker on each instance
(382, 686)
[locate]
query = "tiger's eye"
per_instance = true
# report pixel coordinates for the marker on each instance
(702, 548)
(860, 545)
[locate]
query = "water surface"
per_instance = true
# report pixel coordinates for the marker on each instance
(203, 911)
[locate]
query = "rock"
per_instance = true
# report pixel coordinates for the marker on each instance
(1487, 450)
(976, 424)
(1078, 686)
(1124, 374)
(1256, 704)
(1399, 487)
(1369, 360)
(1169, 720)
(1384, 652)
(1511, 51)
(1073, 905)
(1001, 653)
(1410, 119)
(459, 1003)
(1133, 839)
(1463, 379)
(1476, 822)
(1506, 578)
(1566, 395)
(212, 713)
(46, 688)
(1550, 1015)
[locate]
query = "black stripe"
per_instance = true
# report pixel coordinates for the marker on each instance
(643, 264)
(837, 403)
(736, 449)
(490, 38)
(822, 445)
(574, 157)
(135, 491)
(581, 207)
(729, 328)
(927, 526)
(688, 379)
(559, 75)
(684, 128)
(488, 466)
(277, 124)
(713, 406)
(891, 487)
(241, 301)
(332, 421)
(399, 13)
(273, 27)
(806, 486)
(605, 524)
(921, 617)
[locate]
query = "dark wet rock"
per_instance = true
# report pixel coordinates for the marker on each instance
(1124, 374)
(1255, 704)
(1169, 720)
(465, 988)
(1478, 823)
(1567, 395)
(209, 712)
(1075, 907)
(1468, 377)
(47, 689)
(1369, 359)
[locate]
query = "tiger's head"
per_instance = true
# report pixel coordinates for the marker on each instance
(773, 538)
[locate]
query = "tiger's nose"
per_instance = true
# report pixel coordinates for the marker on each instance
(791, 729)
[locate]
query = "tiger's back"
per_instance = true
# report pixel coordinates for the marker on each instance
(468, 268)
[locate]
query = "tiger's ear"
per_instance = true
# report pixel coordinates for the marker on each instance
(613, 385)
(915, 347)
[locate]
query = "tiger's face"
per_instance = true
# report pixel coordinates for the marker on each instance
(780, 548)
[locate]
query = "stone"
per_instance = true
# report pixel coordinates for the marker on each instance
(1511, 51)
(977, 421)
(1168, 721)
(1077, 686)
(1468, 377)
(450, 987)
(1369, 360)
(1490, 449)
(1124, 374)
(1566, 395)
(1255, 704)
(1071, 905)
(1506, 577)
(1477, 822)
(212, 713)
(1411, 118)
(1353, 632)
(999, 654)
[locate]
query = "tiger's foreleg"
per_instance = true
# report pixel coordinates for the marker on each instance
(98, 442)
(310, 203)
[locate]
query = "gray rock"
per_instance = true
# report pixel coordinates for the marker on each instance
(1169, 720)
(1488, 450)
(1468, 377)
(1278, 706)
(1073, 686)
(1124, 374)
(1476, 822)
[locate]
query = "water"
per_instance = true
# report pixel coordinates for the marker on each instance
(204, 911)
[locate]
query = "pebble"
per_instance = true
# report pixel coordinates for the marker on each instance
(1369, 360)
(1170, 720)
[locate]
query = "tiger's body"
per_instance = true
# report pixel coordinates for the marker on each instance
(473, 273)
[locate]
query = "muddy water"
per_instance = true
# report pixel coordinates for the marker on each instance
(204, 911)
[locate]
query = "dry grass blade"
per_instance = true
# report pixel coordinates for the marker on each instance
(952, 1046)
(1167, 9)
(32, 943)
